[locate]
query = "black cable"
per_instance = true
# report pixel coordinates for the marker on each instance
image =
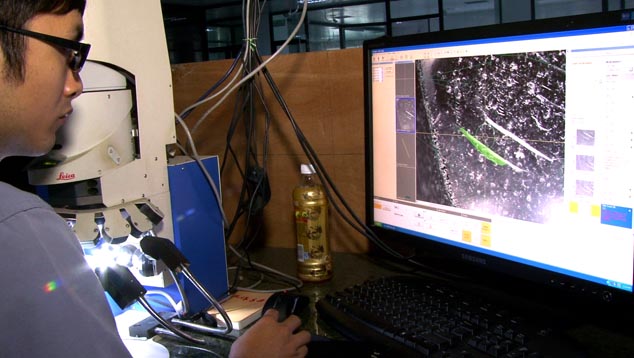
(242, 171)
(206, 94)
(253, 175)
(281, 279)
(245, 194)
(262, 177)
(209, 91)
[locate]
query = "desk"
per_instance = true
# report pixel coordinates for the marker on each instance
(350, 269)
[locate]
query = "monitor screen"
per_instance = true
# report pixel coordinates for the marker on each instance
(508, 146)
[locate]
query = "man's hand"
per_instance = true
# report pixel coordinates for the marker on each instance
(268, 338)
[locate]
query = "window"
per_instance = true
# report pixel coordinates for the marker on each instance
(550, 8)
(337, 24)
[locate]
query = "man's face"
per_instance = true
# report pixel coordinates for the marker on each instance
(32, 111)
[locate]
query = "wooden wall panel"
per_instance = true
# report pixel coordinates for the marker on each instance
(324, 92)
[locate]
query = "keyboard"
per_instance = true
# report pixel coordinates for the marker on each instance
(403, 316)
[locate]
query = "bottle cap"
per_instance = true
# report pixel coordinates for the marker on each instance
(307, 169)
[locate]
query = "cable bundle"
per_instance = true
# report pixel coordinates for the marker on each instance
(244, 76)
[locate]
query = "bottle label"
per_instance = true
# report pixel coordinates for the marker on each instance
(301, 254)
(311, 232)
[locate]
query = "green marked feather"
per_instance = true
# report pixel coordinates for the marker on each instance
(483, 149)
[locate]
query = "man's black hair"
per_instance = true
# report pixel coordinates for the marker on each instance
(15, 13)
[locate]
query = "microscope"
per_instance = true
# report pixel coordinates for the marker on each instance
(110, 175)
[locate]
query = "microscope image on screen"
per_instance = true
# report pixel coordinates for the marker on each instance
(490, 132)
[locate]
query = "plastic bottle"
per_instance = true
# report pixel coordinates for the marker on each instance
(314, 262)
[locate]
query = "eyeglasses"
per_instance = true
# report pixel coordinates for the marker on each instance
(78, 50)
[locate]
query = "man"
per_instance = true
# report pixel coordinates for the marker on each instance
(52, 303)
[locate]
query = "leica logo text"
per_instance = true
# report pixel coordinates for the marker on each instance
(65, 176)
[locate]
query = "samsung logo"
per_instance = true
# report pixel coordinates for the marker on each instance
(473, 259)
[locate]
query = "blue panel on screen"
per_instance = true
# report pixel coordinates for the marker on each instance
(616, 216)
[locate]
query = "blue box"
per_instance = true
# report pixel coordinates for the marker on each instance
(199, 228)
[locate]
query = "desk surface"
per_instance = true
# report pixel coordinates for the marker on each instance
(350, 269)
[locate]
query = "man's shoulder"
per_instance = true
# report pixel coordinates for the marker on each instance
(15, 200)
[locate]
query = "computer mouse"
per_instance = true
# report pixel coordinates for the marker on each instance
(287, 303)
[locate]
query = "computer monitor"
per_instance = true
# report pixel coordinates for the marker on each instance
(508, 147)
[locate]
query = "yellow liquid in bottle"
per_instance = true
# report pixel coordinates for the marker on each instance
(314, 262)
